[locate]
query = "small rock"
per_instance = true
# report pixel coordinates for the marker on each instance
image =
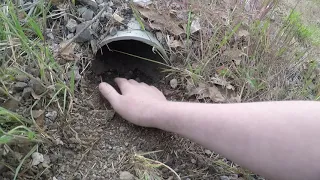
(174, 83)
(87, 15)
(82, 10)
(70, 35)
(110, 3)
(122, 129)
(99, 1)
(113, 31)
(126, 144)
(22, 78)
(125, 175)
(72, 25)
(224, 178)
(37, 86)
(50, 35)
(85, 35)
(122, 28)
(19, 86)
(208, 152)
(46, 161)
(193, 161)
(26, 93)
(52, 115)
(37, 158)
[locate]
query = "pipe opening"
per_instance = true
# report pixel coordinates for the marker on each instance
(113, 60)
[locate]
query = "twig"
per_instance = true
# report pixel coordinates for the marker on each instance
(85, 27)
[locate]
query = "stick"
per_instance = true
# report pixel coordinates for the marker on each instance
(85, 27)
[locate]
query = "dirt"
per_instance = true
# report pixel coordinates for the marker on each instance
(98, 143)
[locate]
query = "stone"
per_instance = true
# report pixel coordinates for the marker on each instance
(85, 35)
(193, 161)
(122, 129)
(37, 158)
(71, 25)
(52, 115)
(224, 178)
(122, 28)
(69, 36)
(126, 144)
(21, 78)
(82, 10)
(37, 86)
(125, 175)
(87, 15)
(99, 1)
(26, 93)
(208, 152)
(113, 31)
(19, 86)
(110, 3)
(174, 83)
(46, 161)
(50, 35)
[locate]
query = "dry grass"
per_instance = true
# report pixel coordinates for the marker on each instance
(262, 59)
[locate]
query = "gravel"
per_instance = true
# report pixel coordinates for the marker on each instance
(71, 25)
(174, 83)
(122, 129)
(113, 31)
(208, 152)
(88, 15)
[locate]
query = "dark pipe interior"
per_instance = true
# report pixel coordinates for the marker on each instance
(111, 64)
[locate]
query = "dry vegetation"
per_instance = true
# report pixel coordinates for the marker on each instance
(247, 51)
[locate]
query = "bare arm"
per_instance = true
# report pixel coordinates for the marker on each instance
(279, 140)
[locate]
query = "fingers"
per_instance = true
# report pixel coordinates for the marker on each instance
(109, 93)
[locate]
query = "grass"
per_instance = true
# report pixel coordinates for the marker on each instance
(269, 58)
(24, 45)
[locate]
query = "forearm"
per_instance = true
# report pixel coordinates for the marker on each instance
(279, 140)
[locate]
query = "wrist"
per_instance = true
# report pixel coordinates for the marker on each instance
(161, 114)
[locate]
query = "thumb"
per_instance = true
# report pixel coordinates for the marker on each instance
(109, 93)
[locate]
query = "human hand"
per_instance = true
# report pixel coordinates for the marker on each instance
(135, 101)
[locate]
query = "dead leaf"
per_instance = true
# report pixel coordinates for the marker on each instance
(173, 43)
(161, 21)
(35, 96)
(195, 25)
(117, 17)
(38, 115)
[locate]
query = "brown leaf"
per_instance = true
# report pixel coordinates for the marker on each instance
(212, 92)
(38, 115)
(161, 21)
